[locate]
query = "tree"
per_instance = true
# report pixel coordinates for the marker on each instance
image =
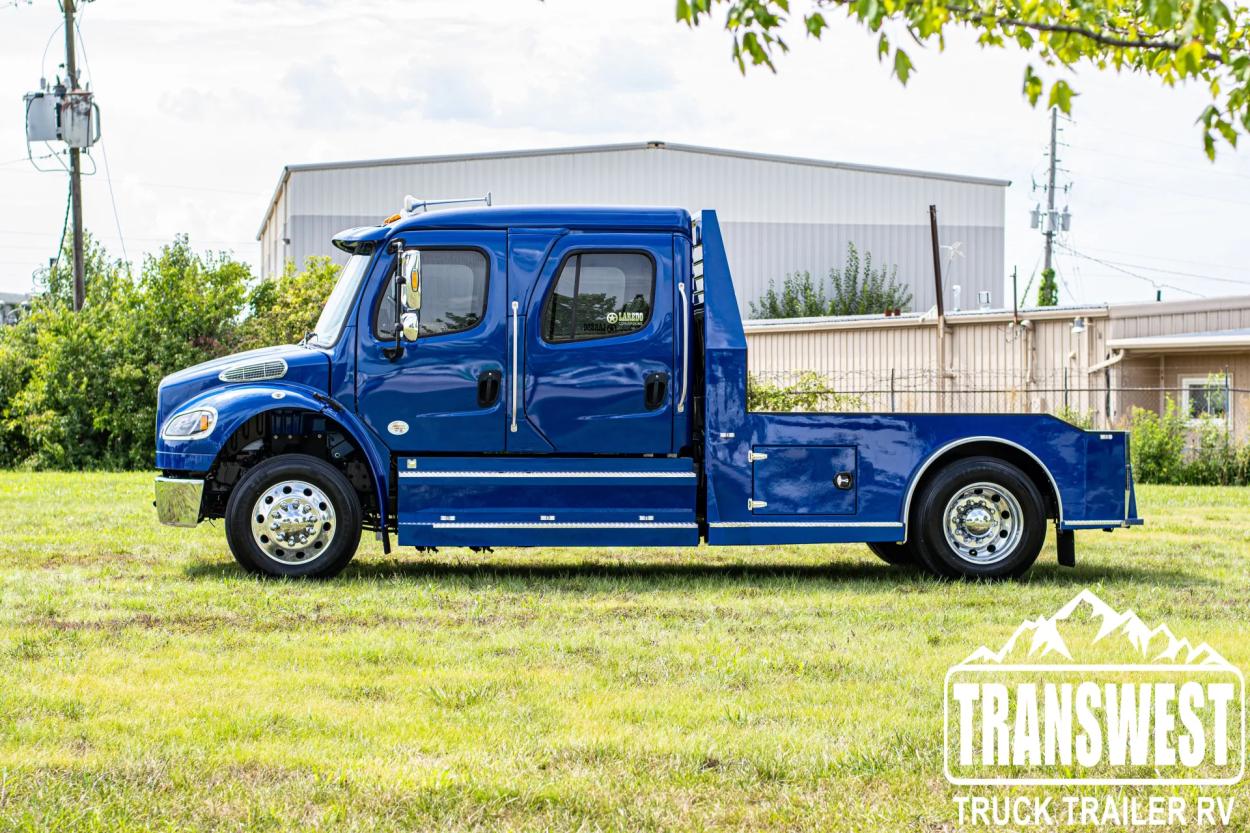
(857, 289)
(1048, 290)
(281, 310)
(78, 390)
(1204, 40)
(800, 297)
(865, 291)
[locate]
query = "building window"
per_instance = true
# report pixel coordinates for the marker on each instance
(599, 295)
(453, 293)
(1205, 396)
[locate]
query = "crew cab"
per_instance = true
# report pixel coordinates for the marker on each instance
(577, 376)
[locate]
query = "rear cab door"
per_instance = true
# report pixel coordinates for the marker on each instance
(598, 346)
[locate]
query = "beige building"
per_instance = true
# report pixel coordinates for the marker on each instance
(1090, 363)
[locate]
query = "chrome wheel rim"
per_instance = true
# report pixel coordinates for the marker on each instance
(983, 523)
(293, 522)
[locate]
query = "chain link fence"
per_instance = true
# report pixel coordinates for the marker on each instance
(1097, 400)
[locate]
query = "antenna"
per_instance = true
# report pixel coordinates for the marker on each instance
(412, 204)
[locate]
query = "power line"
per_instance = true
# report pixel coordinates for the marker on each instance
(1171, 259)
(60, 247)
(1156, 284)
(1154, 188)
(108, 176)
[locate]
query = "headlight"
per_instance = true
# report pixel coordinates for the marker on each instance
(190, 425)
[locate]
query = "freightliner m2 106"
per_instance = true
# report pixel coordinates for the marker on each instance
(547, 376)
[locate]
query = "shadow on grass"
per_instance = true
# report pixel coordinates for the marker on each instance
(656, 573)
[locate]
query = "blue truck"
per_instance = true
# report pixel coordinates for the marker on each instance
(577, 376)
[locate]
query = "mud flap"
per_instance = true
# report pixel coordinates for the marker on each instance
(1066, 544)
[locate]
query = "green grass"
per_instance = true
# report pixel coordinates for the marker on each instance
(147, 684)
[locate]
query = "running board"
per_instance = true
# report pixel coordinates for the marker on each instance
(544, 501)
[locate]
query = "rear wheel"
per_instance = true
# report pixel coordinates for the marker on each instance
(980, 518)
(899, 555)
(293, 515)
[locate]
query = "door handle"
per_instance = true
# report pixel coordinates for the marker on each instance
(516, 326)
(488, 384)
(685, 345)
(656, 387)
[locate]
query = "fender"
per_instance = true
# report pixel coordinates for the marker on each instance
(928, 461)
(236, 404)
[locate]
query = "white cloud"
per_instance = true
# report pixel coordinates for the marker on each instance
(204, 106)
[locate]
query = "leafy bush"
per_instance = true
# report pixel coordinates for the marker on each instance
(78, 390)
(1074, 416)
(1168, 448)
(282, 310)
(856, 289)
(809, 393)
(1158, 444)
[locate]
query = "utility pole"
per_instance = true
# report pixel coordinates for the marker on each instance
(75, 161)
(1050, 188)
(941, 307)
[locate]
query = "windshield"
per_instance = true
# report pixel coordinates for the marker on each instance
(330, 324)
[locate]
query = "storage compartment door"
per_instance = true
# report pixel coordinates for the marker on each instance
(804, 480)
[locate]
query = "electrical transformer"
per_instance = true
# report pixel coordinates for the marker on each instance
(42, 116)
(55, 114)
(80, 119)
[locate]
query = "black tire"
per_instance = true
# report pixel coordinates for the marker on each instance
(980, 491)
(330, 507)
(897, 555)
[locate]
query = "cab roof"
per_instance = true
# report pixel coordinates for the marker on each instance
(579, 218)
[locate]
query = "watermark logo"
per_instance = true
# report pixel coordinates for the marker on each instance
(1092, 695)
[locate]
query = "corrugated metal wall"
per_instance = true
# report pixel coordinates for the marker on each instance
(998, 367)
(780, 216)
(994, 365)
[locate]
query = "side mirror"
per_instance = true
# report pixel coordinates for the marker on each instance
(409, 325)
(410, 271)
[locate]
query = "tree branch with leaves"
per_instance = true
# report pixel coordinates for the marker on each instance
(1207, 41)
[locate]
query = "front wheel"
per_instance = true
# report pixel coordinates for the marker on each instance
(293, 515)
(980, 518)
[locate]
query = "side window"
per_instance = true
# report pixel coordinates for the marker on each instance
(600, 294)
(453, 293)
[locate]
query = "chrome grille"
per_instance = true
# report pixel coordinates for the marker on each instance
(254, 371)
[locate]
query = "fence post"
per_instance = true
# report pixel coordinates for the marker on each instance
(892, 408)
(1107, 403)
(1228, 406)
(1065, 388)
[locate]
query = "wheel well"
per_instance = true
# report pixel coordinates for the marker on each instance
(1006, 452)
(289, 431)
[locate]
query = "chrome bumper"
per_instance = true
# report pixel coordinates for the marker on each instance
(178, 501)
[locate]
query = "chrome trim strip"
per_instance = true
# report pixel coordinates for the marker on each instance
(1116, 522)
(929, 461)
(522, 474)
(553, 525)
(833, 524)
(685, 345)
(515, 329)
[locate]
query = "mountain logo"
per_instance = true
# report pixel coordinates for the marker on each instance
(1093, 695)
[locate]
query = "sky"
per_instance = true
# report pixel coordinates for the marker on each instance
(203, 103)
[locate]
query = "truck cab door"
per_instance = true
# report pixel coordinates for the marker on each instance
(444, 392)
(598, 346)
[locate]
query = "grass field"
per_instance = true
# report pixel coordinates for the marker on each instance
(147, 684)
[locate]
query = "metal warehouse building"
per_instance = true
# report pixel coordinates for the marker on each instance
(780, 214)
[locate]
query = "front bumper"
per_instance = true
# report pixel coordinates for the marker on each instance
(178, 500)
